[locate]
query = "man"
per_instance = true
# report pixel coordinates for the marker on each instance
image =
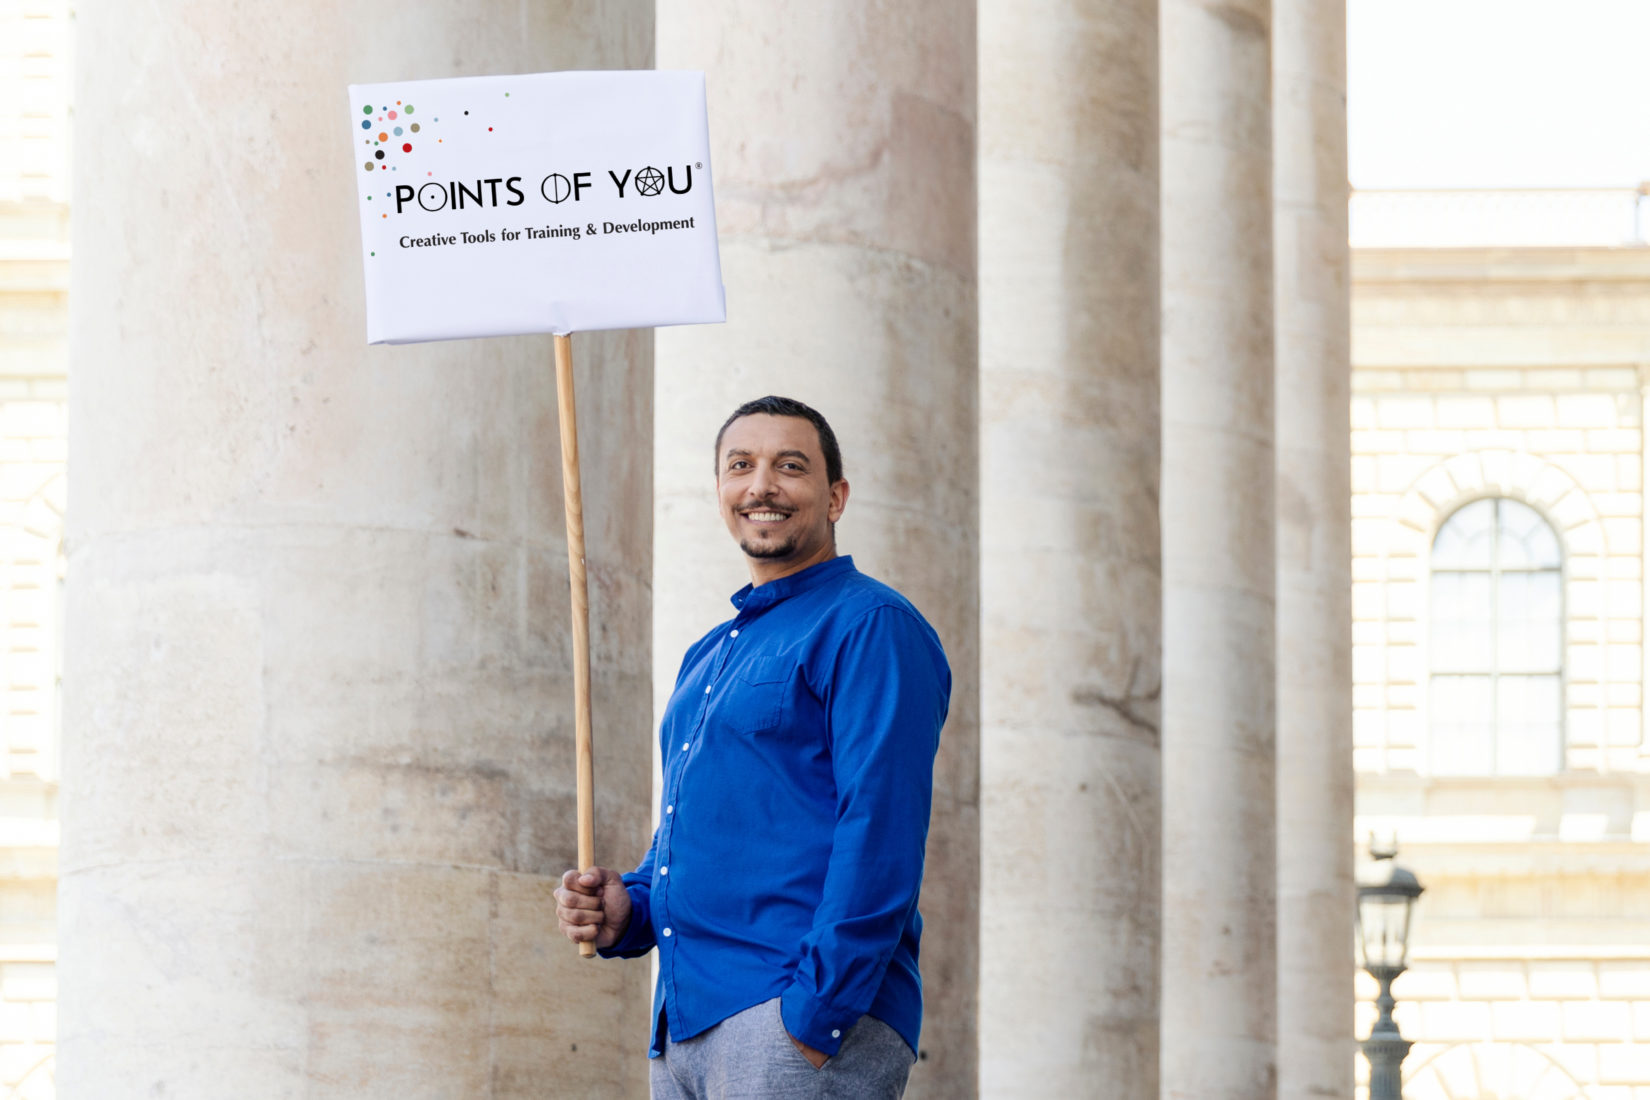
(798, 746)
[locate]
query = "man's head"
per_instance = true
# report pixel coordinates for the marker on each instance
(779, 485)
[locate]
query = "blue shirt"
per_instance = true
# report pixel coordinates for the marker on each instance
(798, 754)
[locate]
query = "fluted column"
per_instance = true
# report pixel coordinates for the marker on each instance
(318, 777)
(1314, 583)
(1219, 802)
(1070, 570)
(843, 142)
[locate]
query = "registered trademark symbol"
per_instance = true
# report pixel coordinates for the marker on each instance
(696, 164)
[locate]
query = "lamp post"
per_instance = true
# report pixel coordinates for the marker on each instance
(1386, 898)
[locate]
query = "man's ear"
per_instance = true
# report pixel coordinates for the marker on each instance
(839, 500)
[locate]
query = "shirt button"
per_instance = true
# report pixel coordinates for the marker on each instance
(707, 689)
(664, 870)
(735, 634)
(684, 746)
(667, 931)
(834, 1034)
(670, 809)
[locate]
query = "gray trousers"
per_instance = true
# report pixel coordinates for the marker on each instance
(749, 1056)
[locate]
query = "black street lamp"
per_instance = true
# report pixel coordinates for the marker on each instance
(1386, 898)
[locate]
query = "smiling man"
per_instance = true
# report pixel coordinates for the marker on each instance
(781, 887)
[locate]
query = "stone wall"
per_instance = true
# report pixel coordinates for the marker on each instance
(1518, 374)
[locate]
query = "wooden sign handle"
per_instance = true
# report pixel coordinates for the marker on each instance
(573, 501)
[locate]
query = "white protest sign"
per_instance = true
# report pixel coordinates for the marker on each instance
(553, 202)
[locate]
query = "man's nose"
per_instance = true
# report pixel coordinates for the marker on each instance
(762, 482)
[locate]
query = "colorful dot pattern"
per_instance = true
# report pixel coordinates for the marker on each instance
(388, 138)
(386, 128)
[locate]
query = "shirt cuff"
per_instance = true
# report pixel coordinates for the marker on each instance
(816, 1023)
(638, 937)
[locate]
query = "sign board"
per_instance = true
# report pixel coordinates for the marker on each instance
(553, 202)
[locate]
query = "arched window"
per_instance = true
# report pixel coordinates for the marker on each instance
(1496, 643)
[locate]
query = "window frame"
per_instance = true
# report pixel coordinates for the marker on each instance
(1495, 572)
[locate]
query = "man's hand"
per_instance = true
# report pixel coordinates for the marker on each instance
(816, 1058)
(593, 907)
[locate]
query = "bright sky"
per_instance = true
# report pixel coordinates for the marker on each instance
(1498, 93)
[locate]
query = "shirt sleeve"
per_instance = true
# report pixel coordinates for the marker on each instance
(638, 938)
(887, 699)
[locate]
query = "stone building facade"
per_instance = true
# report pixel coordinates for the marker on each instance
(35, 68)
(1499, 723)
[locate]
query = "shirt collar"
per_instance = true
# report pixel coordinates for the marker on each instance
(758, 597)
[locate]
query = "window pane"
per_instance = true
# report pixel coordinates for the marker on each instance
(1463, 629)
(1526, 539)
(1466, 540)
(1529, 624)
(1463, 725)
(1528, 732)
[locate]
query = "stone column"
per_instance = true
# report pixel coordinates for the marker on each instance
(1070, 571)
(318, 780)
(1219, 802)
(1314, 571)
(843, 144)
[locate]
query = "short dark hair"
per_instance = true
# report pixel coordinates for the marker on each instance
(786, 406)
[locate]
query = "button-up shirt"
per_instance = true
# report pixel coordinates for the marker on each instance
(798, 754)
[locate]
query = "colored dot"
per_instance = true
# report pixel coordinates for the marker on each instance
(406, 147)
(506, 95)
(379, 154)
(381, 167)
(366, 124)
(398, 131)
(409, 108)
(369, 165)
(413, 127)
(466, 112)
(398, 103)
(386, 215)
(383, 137)
(369, 198)
(489, 129)
(441, 141)
(429, 173)
(392, 116)
(366, 110)
(372, 253)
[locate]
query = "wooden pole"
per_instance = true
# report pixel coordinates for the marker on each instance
(573, 501)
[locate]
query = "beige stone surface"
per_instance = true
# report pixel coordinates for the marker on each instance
(1070, 573)
(1316, 900)
(843, 142)
(1219, 808)
(318, 749)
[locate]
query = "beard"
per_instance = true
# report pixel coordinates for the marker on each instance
(755, 549)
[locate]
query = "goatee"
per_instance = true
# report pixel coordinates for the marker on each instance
(756, 549)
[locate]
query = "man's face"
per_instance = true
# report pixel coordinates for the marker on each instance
(775, 496)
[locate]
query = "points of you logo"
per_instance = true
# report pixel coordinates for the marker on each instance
(565, 173)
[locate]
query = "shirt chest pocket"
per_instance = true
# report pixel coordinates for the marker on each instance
(762, 687)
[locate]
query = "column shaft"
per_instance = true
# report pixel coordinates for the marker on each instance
(1071, 583)
(318, 779)
(1314, 582)
(843, 143)
(1219, 802)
